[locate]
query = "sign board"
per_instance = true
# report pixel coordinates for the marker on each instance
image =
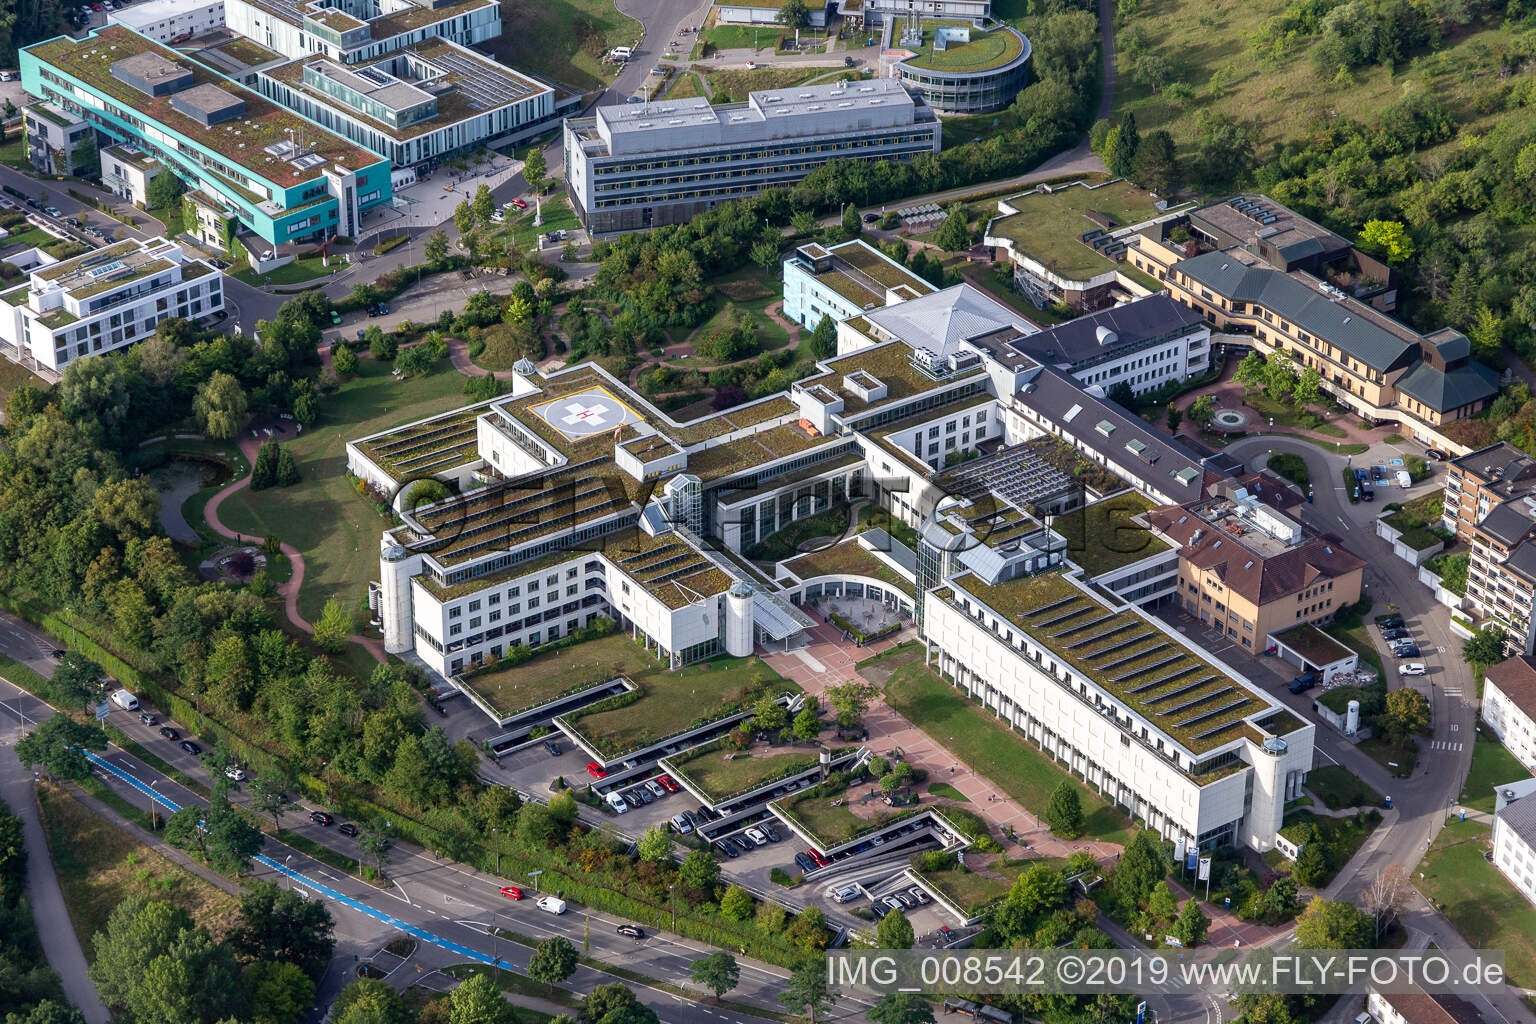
(1141, 1012)
(103, 710)
(1205, 869)
(1173, 940)
(1189, 860)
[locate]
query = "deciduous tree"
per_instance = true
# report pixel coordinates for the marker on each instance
(807, 993)
(717, 972)
(279, 924)
(894, 931)
(333, 628)
(220, 406)
(1064, 812)
(553, 961)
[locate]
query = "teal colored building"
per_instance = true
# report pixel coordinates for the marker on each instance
(248, 162)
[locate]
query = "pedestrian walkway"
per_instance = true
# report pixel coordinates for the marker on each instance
(1230, 395)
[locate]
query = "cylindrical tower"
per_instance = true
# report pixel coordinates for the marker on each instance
(738, 620)
(396, 567)
(1352, 719)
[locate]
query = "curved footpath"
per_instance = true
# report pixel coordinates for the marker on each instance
(289, 590)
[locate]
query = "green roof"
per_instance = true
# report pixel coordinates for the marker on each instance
(848, 558)
(985, 50)
(1048, 226)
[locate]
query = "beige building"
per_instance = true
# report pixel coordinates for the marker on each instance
(1248, 566)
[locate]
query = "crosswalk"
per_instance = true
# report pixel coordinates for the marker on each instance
(1445, 745)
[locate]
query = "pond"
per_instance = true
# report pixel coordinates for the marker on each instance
(177, 479)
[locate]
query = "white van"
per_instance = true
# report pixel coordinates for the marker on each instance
(616, 802)
(551, 905)
(621, 53)
(125, 700)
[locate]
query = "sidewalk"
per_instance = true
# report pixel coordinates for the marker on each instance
(1230, 394)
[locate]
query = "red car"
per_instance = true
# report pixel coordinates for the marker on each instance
(667, 783)
(596, 770)
(512, 892)
(521, 204)
(816, 856)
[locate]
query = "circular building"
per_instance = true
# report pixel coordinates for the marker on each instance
(959, 68)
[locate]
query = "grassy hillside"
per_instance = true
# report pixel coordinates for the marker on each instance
(563, 40)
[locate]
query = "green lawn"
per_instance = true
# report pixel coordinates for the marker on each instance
(336, 529)
(974, 736)
(724, 773)
(172, 217)
(985, 50)
(1102, 537)
(1480, 901)
(297, 272)
(1292, 467)
(831, 822)
(1387, 754)
(28, 238)
(975, 890)
(733, 85)
(735, 37)
(1338, 788)
(1342, 836)
(556, 214)
(1492, 765)
(13, 153)
(669, 702)
(1047, 226)
(565, 40)
(13, 376)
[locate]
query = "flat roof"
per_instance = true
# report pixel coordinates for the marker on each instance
(150, 11)
(242, 140)
(1249, 219)
(1048, 226)
(985, 50)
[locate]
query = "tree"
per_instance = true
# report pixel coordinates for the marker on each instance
(220, 406)
(824, 339)
(1279, 376)
(765, 254)
(56, 745)
(477, 1001)
(287, 469)
(614, 1003)
(264, 467)
(806, 991)
(154, 965)
(807, 725)
(370, 1001)
(464, 217)
(894, 932)
(1192, 925)
(901, 1008)
(279, 924)
(279, 992)
(534, 170)
(1406, 713)
(1157, 164)
(955, 233)
(1308, 388)
(850, 700)
(164, 191)
(484, 205)
(1486, 333)
(344, 361)
(737, 904)
(1333, 924)
(334, 628)
(232, 839)
(184, 830)
(851, 225)
(1203, 410)
(1161, 904)
(655, 846)
(553, 961)
(1038, 888)
(769, 716)
(383, 347)
(700, 871)
(436, 248)
(889, 784)
(1312, 863)
(1485, 647)
(793, 14)
(375, 839)
(1387, 239)
(1174, 416)
(77, 680)
(717, 972)
(1279, 902)
(1384, 899)
(1143, 864)
(1121, 146)
(1064, 812)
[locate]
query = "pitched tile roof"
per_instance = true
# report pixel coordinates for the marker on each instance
(1516, 679)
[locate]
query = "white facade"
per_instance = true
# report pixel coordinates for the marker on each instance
(105, 301)
(127, 172)
(1511, 723)
(1514, 836)
(1131, 761)
(844, 281)
(171, 21)
(372, 29)
(755, 14)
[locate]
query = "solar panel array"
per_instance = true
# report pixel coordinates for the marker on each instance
(1018, 475)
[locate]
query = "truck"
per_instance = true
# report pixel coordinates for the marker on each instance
(125, 700)
(1304, 682)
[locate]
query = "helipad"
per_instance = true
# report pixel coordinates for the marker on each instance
(588, 413)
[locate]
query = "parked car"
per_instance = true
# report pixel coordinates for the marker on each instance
(689, 817)
(877, 841)
(1412, 668)
(169, 733)
(190, 747)
(149, 718)
(335, 317)
(729, 849)
(918, 893)
(521, 204)
(512, 892)
(1435, 454)
(632, 798)
(1303, 682)
(870, 218)
(906, 901)
(596, 770)
(680, 825)
(645, 795)
(757, 836)
(816, 856)
(321, 818)
(1396, 634)
(846, 893)
(705, 814)
(617, 802)
(346, 828)
(53, 211)
(552, 747)
(632, 930)
(804, 863)
(892, 902)
(1406, 651)
(879, 910)
(656, 789)
(1390, 622)
(234, 773)
(769, 831)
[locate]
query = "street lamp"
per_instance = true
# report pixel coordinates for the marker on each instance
(495, 832)
(672, 904)
(153, 794)
(495, 957)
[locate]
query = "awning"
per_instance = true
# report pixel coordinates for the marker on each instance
(777, 617)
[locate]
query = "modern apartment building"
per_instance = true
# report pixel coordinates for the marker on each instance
(104, 301)
(1509, 706)
(1420, 1007)
(258, 166)
(1252, 267)
(419, 103)
(54, 138)
(639, 165)
(1514, 835)
(842, 281)
(1248, 567)
(1490, 502)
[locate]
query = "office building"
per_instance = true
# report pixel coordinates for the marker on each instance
(104, 301)
(1248, 567)
(170, 21)
(359, 31)
(842, 281)
(1420, 1007)
(959, 68)
(418, 104)
(254, 168)
(54, 139)
(1252, 267)
(640, 165)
